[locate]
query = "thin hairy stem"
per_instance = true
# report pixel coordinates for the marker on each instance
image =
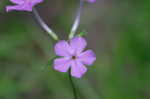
(72, 85)
(44, 25)
(77, 20)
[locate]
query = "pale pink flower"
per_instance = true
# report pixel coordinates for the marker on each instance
(73, 56)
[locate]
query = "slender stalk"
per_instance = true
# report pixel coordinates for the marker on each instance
(77, 20)
(73, 85)
(44, 25)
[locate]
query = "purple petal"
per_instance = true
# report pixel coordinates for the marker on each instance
(36, 1)
(19, 8)
(62, 64)
(62, 48)
(77, 69)
(23, 5)
(88, 57)
(78, 44)
(17, 1)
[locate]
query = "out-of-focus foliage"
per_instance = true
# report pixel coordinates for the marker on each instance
(118, 31)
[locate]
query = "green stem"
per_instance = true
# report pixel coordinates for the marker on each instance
(44, 25)
(76, 21)
(73, 85)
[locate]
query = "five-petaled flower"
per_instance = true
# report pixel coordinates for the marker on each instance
(73, 57)
(23, 5)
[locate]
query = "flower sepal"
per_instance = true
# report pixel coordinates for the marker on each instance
(82, 34)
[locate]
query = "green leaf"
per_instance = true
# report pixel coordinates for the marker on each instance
(83, 33)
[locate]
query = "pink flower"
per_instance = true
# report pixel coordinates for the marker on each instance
(73, 57)
(23, 5)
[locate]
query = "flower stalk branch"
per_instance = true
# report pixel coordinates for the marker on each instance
(77, 20)
(72, 85)
(44, 25)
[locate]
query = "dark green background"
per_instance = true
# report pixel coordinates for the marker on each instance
(117, 30)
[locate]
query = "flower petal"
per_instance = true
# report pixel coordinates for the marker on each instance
(78, 44)
(23, 7)
(17, 1)
(88, 57)
(36, 1)
(62, 48)
(62, 64)
(77, 69)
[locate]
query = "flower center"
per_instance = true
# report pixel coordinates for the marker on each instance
(74, 57)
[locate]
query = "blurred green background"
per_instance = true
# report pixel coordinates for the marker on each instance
(118, 32)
